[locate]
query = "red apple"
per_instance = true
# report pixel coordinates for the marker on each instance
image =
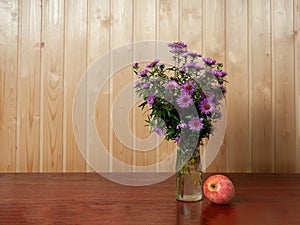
(218, 189)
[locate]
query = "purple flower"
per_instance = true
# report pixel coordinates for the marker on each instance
(194, 65)
(157, 130)
(180, 126)
(178, 50)
(150, 99)
(146, 86)
(177, 47)
(220, 81)
(190, 65)
(209, 61)
(177, 139)
(196, 124)
(189, 86)
(224, 74)
(193, 54)
(137, 83)
(200, 67)
(217, 73)
(184, 100)
(207, 106)
(182, 70)
(170, 85)
(152, 64)
(179, 44)
(161, 66)
(135, 65)
(223, 89)
(142, 73)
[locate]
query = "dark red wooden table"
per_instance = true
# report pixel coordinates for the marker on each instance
(72, 198)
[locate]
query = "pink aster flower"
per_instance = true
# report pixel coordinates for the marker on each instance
(184, 100)
(170, 85)
(189, 86)
(195, 124)
(207, 106)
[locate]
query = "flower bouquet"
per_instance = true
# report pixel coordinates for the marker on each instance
(183, 101)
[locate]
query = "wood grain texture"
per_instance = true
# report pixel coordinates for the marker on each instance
(190, 24)
(75, 64)
(90, 199)
(261, 86)
(284, 88)
(8, 84)
(29, 82)
(297, 77)
(47, 45)
(145, 23)
(53, 84)
(98, 45)
(238, 153)
(121, 33)
(214, 46)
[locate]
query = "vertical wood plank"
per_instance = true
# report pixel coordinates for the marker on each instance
(167, 30)
(144, 29)
(8, 84)
(284, 77)
(144, 20)
(74, 67)
(53, 86)
(297, 78)
(167, 20)
(190, 23)
(239, 128)
(29, 71)
(121, 33)
(214, 47)
(261, 75)
(98, 45)
(238, 154)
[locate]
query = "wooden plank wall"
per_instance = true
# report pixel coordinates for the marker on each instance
(47, 45)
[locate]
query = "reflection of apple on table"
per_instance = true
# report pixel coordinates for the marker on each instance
(219, 189)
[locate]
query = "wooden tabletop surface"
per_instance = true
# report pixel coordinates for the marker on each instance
(88, 198)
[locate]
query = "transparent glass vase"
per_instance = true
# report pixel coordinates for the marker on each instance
(189, 178)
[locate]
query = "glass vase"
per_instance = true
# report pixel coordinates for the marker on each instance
(189, 177)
